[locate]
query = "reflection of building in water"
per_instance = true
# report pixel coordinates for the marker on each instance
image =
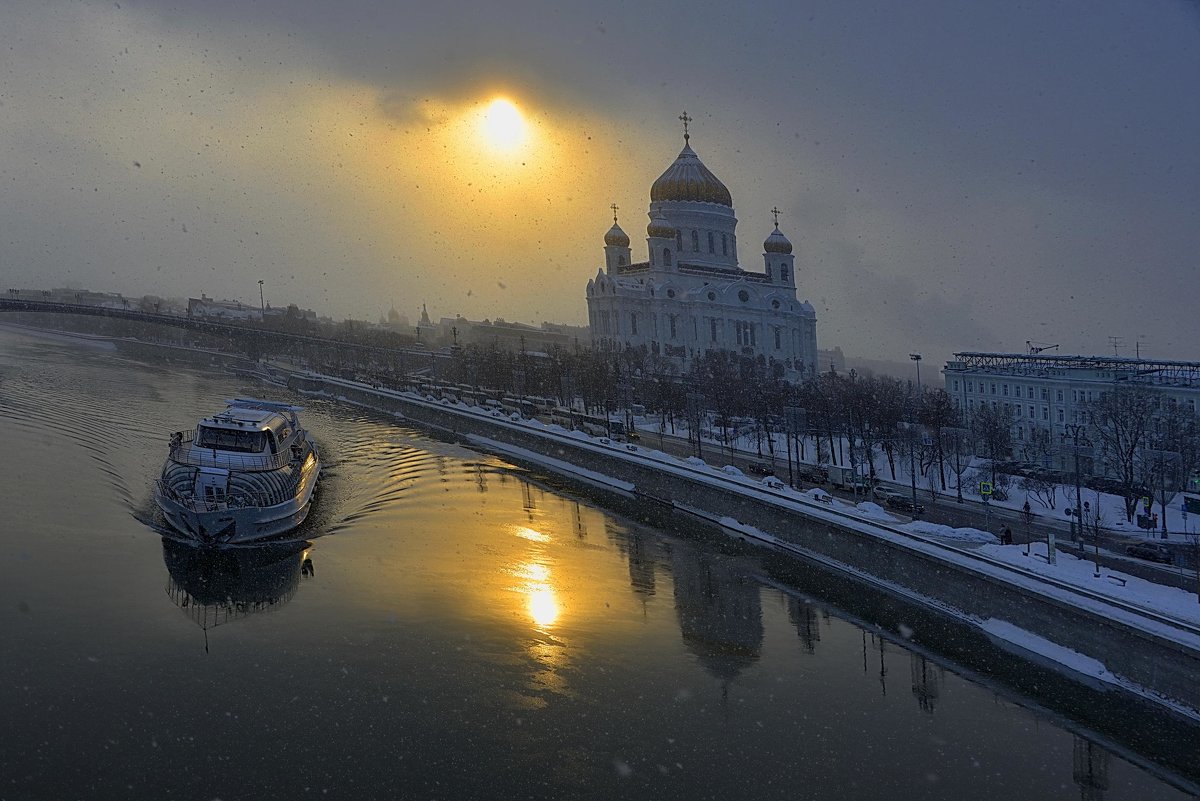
(641, 565)
(216, 586)
(926, 681)
(719, 609)
(808, 625)
(1090, 769)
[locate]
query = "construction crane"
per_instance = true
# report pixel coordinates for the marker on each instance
(1038, 348)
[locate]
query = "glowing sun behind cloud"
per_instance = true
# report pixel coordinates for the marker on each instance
(503, 127)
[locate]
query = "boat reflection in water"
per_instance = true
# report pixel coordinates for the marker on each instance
(221, 585)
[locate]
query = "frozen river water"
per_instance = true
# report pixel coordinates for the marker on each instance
(454, 627)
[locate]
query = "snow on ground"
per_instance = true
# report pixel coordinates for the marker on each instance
(1052, 651)
(1112, 507)
(949, 532)
(1113, 584)
(873, 511)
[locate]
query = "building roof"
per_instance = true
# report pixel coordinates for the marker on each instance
(688, 179)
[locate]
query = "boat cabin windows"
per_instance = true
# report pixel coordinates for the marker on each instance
(224, 439)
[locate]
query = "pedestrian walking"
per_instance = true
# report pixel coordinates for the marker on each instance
(1006, 537)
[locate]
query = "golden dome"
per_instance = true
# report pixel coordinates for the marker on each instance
(777, 242)
(660, 227)
(688, 179)
(616, 237)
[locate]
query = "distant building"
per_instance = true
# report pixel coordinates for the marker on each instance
(690, 296)
(210, 309)
(1050, 392)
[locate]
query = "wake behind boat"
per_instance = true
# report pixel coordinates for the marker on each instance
(244, 475)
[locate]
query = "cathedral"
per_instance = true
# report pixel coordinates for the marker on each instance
(690, 295)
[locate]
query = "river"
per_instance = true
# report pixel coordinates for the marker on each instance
(452, 626)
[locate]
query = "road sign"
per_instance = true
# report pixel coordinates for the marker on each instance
(985, 488)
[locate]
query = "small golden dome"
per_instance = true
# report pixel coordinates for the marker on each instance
(616, 237)
(660, 227)
(777, 242)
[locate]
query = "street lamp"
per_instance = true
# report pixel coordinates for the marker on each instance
(916, 357)
(912, 435)
(262, 304)
(1080, 442)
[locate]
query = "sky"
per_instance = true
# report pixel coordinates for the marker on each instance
(954, 176)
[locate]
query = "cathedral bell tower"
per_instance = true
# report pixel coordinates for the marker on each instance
(660, 238)
(778, 260)
(616, 246)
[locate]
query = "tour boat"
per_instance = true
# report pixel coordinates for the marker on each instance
(245, 474)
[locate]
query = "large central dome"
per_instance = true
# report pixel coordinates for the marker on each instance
(688, 179)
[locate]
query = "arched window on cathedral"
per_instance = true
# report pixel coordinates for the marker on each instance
(768, 272)
(711, 246)
(783, 273)
(621, 259)
(724, 245)
(666, 257)
(695, 242)
(678, 241)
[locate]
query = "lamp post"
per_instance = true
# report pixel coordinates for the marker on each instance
(1079, 441)
(912, 434)
(262, 304)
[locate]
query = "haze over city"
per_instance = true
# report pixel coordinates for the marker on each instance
(953, 176)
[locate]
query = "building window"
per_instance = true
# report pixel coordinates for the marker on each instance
(712, 322)
(1045, 394)
(672, 320)
(1030, 412)
(712, 248)
(1030, 393)
(777, 339)
(1059, 398)
(621, 260)
(724, 245)
(666, 257)
(743, 296)
(633, 323)
(768, 272)
(993, 389)
(783, 273)
(1061, 416)
(1045, 413)
(695, 242)
(678, 241)
(1005, 390)
(970, 386)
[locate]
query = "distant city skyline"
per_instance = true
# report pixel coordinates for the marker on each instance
(953, 177)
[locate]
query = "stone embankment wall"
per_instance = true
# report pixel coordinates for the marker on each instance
(1139, 655)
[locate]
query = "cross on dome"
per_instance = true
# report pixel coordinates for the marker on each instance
(685, 119)
(775, 212)
(614, 208)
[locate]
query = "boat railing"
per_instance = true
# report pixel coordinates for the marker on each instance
(184, 450)
(237, 499)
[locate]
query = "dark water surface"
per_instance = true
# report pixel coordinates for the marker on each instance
(462, 630)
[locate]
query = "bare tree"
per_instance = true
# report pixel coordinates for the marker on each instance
(1120, 419)
(992, 426)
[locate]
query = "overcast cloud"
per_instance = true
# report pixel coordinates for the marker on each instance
(955, 175)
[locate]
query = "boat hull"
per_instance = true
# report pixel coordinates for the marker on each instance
(241, 525)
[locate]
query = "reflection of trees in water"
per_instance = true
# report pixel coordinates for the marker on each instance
(719, 609)
(1089, 769)
(220, 585)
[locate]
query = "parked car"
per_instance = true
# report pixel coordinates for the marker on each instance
(1154, 551)
(883, 493)
(760, 469)
(814, 474)
(904, 503)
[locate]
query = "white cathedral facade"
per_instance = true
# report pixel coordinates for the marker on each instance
(690, 295)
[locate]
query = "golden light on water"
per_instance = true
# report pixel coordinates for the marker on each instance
(543, 606)
(503, 127)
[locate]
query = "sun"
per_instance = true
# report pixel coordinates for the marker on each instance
(503, 127)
